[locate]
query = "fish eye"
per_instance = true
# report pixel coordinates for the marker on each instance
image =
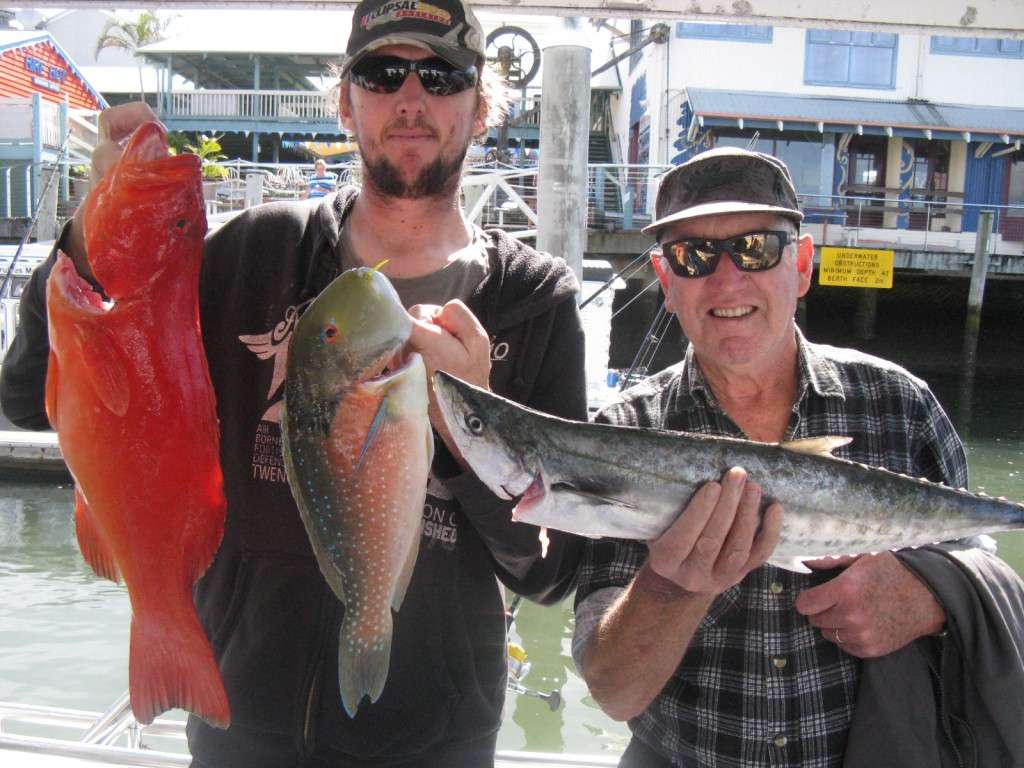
(475, 424)
(180, 225)
(329, 333)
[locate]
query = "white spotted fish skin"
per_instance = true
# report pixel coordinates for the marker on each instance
(361, 499)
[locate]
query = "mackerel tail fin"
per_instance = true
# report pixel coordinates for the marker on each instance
(175, 668)
(362, 665)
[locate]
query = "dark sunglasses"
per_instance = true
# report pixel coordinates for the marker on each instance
(385, 74)
(750, 252)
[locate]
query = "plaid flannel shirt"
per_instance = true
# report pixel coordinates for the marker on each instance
(758, 685)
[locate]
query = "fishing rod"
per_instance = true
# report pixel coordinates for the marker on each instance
(35, 217)
(648, 347)
(632, 268)
(519, 667)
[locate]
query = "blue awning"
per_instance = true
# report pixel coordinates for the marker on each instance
(913, 117)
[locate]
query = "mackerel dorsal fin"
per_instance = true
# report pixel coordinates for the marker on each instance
(816, 446)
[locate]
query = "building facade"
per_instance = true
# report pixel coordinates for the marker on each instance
(885, 132)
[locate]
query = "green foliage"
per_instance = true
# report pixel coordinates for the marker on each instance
(131, 35)
(176, 142)
(209, 150)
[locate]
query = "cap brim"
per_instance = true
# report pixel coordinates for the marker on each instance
(710, 209)
(459, 57)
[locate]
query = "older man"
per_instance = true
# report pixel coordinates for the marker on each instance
(414, 93)
(714, 657)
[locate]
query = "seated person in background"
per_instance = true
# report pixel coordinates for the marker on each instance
(322, 182)
(909, 658)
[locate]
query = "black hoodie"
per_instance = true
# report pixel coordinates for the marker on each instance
(271, 617)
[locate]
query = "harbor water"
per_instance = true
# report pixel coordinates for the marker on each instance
(64, 632)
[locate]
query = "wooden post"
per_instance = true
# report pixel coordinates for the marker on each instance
(976, 296)
(867, 313)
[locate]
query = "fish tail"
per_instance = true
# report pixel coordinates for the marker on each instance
(169, 669)
(362, 666)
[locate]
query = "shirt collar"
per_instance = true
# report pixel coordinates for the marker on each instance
(815, 372)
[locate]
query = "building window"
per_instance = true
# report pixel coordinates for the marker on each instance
(993, 47)
(744, 33)
(636, 32)
(854, 59)
(1015, 189)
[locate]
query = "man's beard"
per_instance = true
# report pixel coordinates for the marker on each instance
(439, 179)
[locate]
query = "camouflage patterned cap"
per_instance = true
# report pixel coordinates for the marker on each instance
(447, 27)
(725, 180)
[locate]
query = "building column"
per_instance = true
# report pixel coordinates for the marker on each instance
(564, 142)
(956, 184)
(894, 152)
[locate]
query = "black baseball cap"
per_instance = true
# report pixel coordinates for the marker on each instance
(447, 27)
(725, 180)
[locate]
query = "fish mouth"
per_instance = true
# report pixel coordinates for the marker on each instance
(388, 366)
(532, 497)
(76, 290)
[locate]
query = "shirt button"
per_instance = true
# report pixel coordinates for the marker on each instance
(780, 741)
(775, 587)
(779, 662)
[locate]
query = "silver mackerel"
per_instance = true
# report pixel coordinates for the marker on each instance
(600, 480)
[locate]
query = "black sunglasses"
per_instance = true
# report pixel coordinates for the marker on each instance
(385, 74)
(750, 252)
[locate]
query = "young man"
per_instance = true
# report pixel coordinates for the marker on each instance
(717, 659)
(487, 308)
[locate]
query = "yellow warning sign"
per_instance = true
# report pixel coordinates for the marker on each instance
(855, 267)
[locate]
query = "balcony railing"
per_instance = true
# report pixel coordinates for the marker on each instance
(284, 106)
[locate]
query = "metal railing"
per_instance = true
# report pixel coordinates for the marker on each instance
(290, 106)
(915, 220)
(114, 738)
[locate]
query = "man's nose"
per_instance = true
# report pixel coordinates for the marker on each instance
(412, 95)
(726, 270)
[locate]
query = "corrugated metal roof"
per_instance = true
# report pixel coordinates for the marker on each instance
(875, 115)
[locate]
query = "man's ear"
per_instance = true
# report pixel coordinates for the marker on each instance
(345, 106)
(480, 118)
(805, 262)
(661, 269)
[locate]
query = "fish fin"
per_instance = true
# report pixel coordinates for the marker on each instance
(592, 499)
(110, 380)
(429, 437)
(171, 669)
(331, 576)
(52, 374)
(405, 575)
(795, 564)
(816, 446)
(362, 671)
(375, 428)
(90, 541)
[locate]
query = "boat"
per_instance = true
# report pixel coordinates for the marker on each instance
(115, 738)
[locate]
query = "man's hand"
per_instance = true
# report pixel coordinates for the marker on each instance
(873, 607)
(715, 542)
(114, 126)
(450, 339)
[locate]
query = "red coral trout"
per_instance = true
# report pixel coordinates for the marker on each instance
(129, 393)
(357, 450)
